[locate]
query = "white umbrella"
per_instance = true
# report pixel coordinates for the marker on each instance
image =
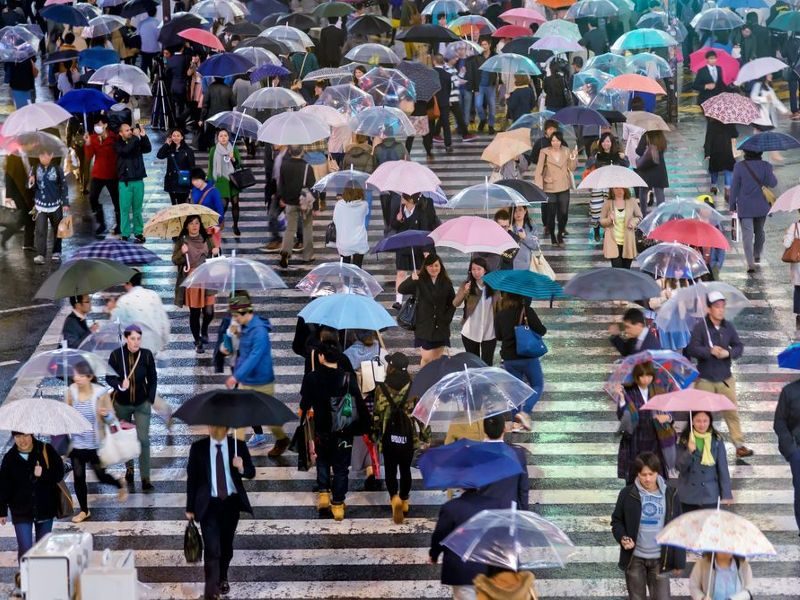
(227, 10)
(293, 128)
(610, 177)
(128, 78)
(34, 117)
(259, 56)
(41, 416)
(102, 25)
(339, 278)
(329, 115)
(228, 274)
(297, 40)
(758, 68)
(273, 98)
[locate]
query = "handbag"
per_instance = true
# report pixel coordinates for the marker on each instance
(243, 178)
(373, 372)
(65, 507)
(540, 265)
(648, 159)
(343, 408)
(330, 235)
(120, 444)
(192, 543)
(529, 343)
(184, 176)
(333, 166)
(792, 253)
(642, 241)
(9, 215)
(434, 112)
(407, 315)
(306, 197)
(769, 195)
(65, 228)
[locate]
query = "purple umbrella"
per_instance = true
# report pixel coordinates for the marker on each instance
(412, 238)
(268, 70)
(580, 115)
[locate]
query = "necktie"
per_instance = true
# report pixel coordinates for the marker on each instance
(222, 483)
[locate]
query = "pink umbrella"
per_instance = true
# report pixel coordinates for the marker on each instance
(473, 234)
(788, 201)
(202, 37)
(404, 177)
(688, 400)
(728, 64)
(523, 16)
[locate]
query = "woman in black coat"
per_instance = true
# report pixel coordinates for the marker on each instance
(652, 167)
(718, 149)
(410, 216)
(28, 488)
(555, 89)
(434, 293)
(179, 158)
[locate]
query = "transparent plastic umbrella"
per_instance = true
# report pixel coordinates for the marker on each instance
(32, 144)
(487, 196)
(648, 64)
(388, 87)
(462, 49)
(472, 395)
(449, 8)
(259, 56)
(613, 64)
(273, 98)
(717, 19)
(125, 77)
(109, 337)
(511, 539)
(293, 128)
(559, 27)
(60, 363)
(673, 371)
(680, 209)
(613, 101)
(557, 44)
(227, 274)
(590, 81)
(382, 121)
(102, 25)
(297, 40)
(346, 98)
(373, 54)
(335, 76)
(336, 182)
(598, 9)
(339, 278)
(34, 117)
(511, 63)
(227, 10)
(672, 260)
(42, 416)
(687, 306)
(237, 123)
(18, 43)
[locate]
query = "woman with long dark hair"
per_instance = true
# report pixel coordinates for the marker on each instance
(554, 176)
(523, 230)
(652, 167)
(703, 465)
(477, 329)
(180, 162)
(607, 151)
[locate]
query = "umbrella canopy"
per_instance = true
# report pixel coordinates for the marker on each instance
(84, 276)
(717, 19)
(742, 4)
(168, 222)
(523, 16)
(557, 44)
(225, 64)
(267, 70)
(243, 29)
(649, 65)
(34, 117)
(690, 232)
(41, 416)
(226, 10)
(790, 357)
(237, 123)
(260, 9)
(388, 87)
(680, 209)
(559, 27)
(769, 141)
(788, 201)
(61, 56)
(347, 99)
(168, 36)
(690, 399)
(511, 63)
(295, 39)
(506, 146)
(411, 238)
(468, 464)
(717, 530)
(426, 80)
(336, 76)
(633, 82)
(512, 31)
(228, 274)
(511, 539)
(297, 20)
(641, 39)
(404, 177)
(609, 283)
(436, 370)
(672, 260)
(428, 34)
(611, 176)
(336, 182)
(330, 116)
(487, 196)
(339, 278)
(85, 100)
(673, 371)
(687, 305)
(473, 234)
(102, 25)
(32, 144)
(125, 77)
(366, 25)
(645, 120)
(383, 122)
(202, 37)
(472, 394)
(590, 81)
(94, 58)
(60, 363)
(472, 26)
(18, 43)
(788, 21)
(347, 311)
(449, 8)
(529, 191)
(372, 54)
(119, 251)
(524, 283)
(233, 408)
(580, 115)
(273, 98)
(62, 13)
(728, 64)
(520, 46)
(758, 68)
(610, 63)
(110, 337)
(133, 8)
(293, 128)
(273, 46)
(333, 9)
(598, 9)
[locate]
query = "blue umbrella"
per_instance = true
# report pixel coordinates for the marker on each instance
(94, 58)
(85, 101)
(120, 251)
(412, 238)
(769, 141)
(524, 283)
(65, 14)
(261, 9)
(268, 70)
(347, 311)
(468, 464)
(609, 283)
(740, 4)
(225, 64)
(580, 115)
(790, 358)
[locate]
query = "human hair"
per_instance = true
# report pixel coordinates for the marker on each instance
(136, 279)
(559, 136)
(185, 230)
(526, 219)
(502, 214)
(332, 20)
(634, 316)
(481, 262)
(197, 173)
(351, 193)
(551, 124)
(649, 460)
(626, 193)
(521, 80)
(69, 38)
(711, 54)
(438, 59)
(432, 259)
(657, 139)
(641, 370)
(577, 61)
(75, 300)
(151, 12)
(296, 151)
(494, 427)
(684, 439)
(751, 155)
(101, 119)
(361, 139)
(592, 22)
(84, 368)
(509, 300)
(330, 350)
(614, 143)
(172, 130)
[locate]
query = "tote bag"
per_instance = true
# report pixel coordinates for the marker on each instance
(120, 445)
(529, 343)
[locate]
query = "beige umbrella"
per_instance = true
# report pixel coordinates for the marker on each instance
(645, 120)
(167, 223)
(507, 146)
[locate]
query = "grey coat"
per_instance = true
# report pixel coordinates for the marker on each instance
(699, 484)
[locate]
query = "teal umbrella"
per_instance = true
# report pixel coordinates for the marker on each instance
(347, 311)
(786, 21)
(640, 39)
(524, 283)
(511, 63)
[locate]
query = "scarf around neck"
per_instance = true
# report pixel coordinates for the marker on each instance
(703, 442)
(222, 167)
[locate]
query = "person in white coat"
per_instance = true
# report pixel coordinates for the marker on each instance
(350, 216)
(769, 104)
(793, 233)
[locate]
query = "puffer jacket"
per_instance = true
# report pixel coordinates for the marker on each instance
(254, 363)
(506, 585)
(360, 158)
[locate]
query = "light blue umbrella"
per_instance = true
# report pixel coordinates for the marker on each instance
(347, 311)
(511, 63)
(613, 64)
(649, 64)
(640, 39)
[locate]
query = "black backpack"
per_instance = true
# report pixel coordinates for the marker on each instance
(130, 38)
(399, 430)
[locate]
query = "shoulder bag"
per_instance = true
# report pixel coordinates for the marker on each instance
(184, 176)
(792, 253)
(769, 195)
(120, 444)
(529, 343)
(65, 507)
(343, 408)
(407, 315)
(306, 196)
(242, 177)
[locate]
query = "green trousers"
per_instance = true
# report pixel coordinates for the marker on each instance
(131, 200)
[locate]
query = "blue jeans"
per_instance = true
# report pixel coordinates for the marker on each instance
(794, 463)
(727, 177)
(21, 98)
(528, 370)
(466, 103)
(24, 532)
(486, 92)
(334, 455)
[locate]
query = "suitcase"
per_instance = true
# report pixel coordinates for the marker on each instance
(110, 574)
(52, 568)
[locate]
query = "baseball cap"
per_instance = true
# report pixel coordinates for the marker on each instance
(715, 296)
(398, 360)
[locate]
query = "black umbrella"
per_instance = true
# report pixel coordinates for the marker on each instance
(426, 80)
(273, 46)
(137, 7)
(243, 29)
(428, 34)
(433, 372)
(298, 21)
(234, 408)
(271, 20)
(168, 35)
(613, 116)
(370, 25)
(521, 46)
(61, 56)
(532, 193)
(260, 9)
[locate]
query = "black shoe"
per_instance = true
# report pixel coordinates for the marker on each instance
(147, 487)
(565, 233)
(236, 232)
(198, 348)
(491, 130)
(553, 240)
(139, 239)
(481, 126)
(284, 262)
(224, 588)
(124, 238)
(397, 306)
(560, 238)
(371, 484)
(596, 234)
(129, 475)
(101, 229)
(204, 338)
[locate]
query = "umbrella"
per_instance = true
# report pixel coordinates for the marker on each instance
(473, 234)
(338, 76)
(728, 64)
(293, 128)
(790, 357)
(505, 146)
(580, 115)
(137, 7)
(590, 81)
(32, 144)
(717, 19)
(689, 400)
(511, 63)
(347, 311)
(388, 87)
(426, 80)
(18, 43)
(168, 222)
(102, 25)
(83, 101)
(267, 70)
(632, 82)
(259, 9)
(758, 68)
(449, 8)
(109, 337)
(291, 36)
(609, 283)
(273, 46)
(65, 56)
(227, 10)
(557, 44)
(742, 4)
(511, 539)
(339, 278)
(372, 54)
(428, 34)
(649, 64)
(511, 31)
(237, 122)
(34, 117)
(610, 63)
(125, 77)
(525, 283)
(690, 232)
(273, 98)
(41, 416)
(243, 29)
(94, 58)
(472, 26)
(336, 182)
(119, 251)
(84, 276)
(611, 176)
(202, 37)
(788, 21)
(468, 464)
(168, 35)
(522, 47)
(436, 370)
(403, 177)
(598, 9)
(234, 408)
(769, 141)
(645, 120)
(788, 201)
(559, 27)
(297, 20)
(673, 371)
(60, 363)
(472, 395)
(347, 99)
(711, 530)
(687, 305)
(523, 16)
(485, 196)
(366, 25)
(411, 238)
(680, 209)
(529, 191)
(327, 10)
(641, 39)
(228, 274)
(225, 64)
(330, 116)
(383, 122)
(731, 108)
(62, 13)
(672, 260)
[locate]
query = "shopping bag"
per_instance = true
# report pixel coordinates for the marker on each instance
(120, 444)
(65, 228)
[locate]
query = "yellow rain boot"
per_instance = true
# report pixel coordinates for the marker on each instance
(324, 501)
(406, 507)
(397, 509)
(338, 511)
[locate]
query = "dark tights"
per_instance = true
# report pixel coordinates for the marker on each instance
(80, 458)
(234, 202)
(194, 321)
(397, 460)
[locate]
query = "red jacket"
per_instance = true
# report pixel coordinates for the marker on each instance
(105, 158)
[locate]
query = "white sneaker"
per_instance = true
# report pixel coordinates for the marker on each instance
(38, 260)
(56, 257)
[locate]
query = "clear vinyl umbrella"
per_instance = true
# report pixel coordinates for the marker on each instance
(680, 209)
(297, 40)
(60, 363)
(42, 416)
(228, 274)
(373, 54)
(339, 278)
(346, 98)
(672, 260)
(237, 123)
(382, 121)
(227, 10)
(110, 337)
(259, 56)
(559, 27)
(472, 395)
(293, 128)
(487, 196)
(336, 182)
(19, 42)
(648, 64)
(613, 64)
(128, 78)
(273, 98)
(388, 87)
(598, 9)
(449, 8)
(32, 144)
(590, 81)
(102, 25)
(717, 19)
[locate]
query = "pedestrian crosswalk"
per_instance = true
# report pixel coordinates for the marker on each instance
(285, 551)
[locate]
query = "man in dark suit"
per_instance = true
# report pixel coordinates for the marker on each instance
(443, 100)
(215, 496)
(595, 38)
(638, 337)
(331, 40)
(510, 489)
(708, 81)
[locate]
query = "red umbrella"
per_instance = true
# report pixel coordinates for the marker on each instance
(512, 31)
(728, 64)
(202, 37)
(690, 232)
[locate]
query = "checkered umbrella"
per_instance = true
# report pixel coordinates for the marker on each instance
(120, 251)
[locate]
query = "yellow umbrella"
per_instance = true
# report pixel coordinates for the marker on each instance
(507, 146)
(167, 223)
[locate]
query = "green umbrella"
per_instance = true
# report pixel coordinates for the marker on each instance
(786, 21)
(639, 39)
(84, 276)
(333, 9)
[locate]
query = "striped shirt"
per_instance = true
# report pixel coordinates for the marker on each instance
(88, 409)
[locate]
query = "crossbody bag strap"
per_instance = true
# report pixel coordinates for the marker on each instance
(522, 320)
(753, 175)
(203, 197)
(135, 364)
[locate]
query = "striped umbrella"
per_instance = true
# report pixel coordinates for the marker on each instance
(121, 251)
(524, 283)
